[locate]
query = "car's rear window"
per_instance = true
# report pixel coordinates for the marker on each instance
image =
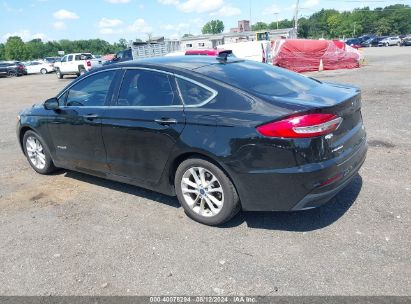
(260, 78)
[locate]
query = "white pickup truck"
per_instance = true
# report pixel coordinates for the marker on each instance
(76, 64)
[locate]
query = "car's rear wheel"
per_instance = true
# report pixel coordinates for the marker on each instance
(12, 74)
(206, 193)
(82, 71)
(37, 153)
(43, 71)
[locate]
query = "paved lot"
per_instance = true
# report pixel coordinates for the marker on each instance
(72, 234)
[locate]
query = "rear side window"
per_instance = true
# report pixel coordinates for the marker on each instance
(142, 88)
(127, 55)
(91, 91)
(260, 78)
(192, 93)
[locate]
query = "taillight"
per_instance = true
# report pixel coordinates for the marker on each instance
(89, 63)
(302, 126)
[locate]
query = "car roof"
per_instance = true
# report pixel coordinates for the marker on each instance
(180, 62)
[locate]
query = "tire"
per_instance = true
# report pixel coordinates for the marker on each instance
(12, 74)
(58, 74)
(43, 71)
(81, 71)
(37, 153)
(199, 200)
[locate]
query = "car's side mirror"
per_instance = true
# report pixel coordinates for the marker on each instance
(51, 104)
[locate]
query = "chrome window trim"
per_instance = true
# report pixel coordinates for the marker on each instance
(214, 92)
(85, 77)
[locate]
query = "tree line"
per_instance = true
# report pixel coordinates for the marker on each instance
(326, 23)
(16, 49)
(329, 23)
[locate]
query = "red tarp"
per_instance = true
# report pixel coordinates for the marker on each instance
(304, 55)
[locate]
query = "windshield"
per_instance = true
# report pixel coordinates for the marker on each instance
(260, 78)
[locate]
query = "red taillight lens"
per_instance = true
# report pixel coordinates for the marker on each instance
(301, 126)
(89, 63)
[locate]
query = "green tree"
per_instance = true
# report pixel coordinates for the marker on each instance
(187, 35)
(282, 24)
(35, 49)
(2, 55)
(382, 27)
(213, 27)
(259, 26)
(15, 49)
(123, 43)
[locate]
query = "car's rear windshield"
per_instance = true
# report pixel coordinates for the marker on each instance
(260, 78)
(86, 56)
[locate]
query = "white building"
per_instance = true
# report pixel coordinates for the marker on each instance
(210, 41)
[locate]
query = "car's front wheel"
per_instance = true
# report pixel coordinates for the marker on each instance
(206, 193)
(37, 153)
(59, 74)
(43, 71)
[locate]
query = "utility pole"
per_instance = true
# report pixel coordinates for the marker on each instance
(251, 24)
(296, 18)
(277, 19)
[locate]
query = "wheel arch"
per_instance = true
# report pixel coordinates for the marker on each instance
(177, 161)
(23, 131)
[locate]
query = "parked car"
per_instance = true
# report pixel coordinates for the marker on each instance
(121, 56)
(20, 65)
(52, 60)
(209, 52)
(222, 137)
(354, 42)
(76, 64)
(364, 38)
(12, 69)
(390, 41)
(35, 67)
(372, 42)
(406, 41)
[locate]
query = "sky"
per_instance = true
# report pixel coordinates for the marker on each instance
(130, 19)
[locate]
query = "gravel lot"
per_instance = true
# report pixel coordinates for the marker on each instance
(72, 234)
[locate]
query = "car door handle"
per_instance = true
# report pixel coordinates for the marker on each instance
(90, 116)
(166, 121)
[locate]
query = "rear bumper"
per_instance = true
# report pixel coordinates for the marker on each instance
(321, 196)
(298, 188)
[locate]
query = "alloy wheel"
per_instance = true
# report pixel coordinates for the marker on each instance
(35, 152)
(202, 191)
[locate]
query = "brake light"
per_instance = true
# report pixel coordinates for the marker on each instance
(302, 126)
(89, 63)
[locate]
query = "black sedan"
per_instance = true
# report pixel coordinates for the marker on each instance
(221, 134)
